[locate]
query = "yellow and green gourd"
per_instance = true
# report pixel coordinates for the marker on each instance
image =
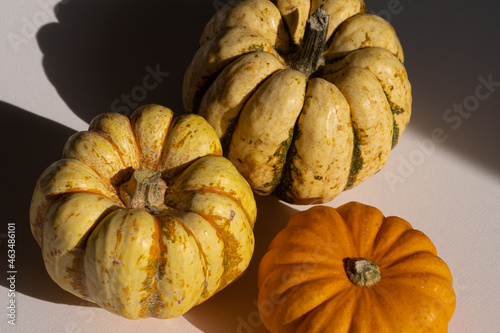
(308, 97)
(143, 216)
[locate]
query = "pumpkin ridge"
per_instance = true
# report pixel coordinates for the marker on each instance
(108, 185)
(266, 271)
(283, 189)
(331, 31)
(333, 220)
(438, 279)
(213, 189)
(248, 14)
(99, 125)
(37, 217)
(401, 278)
(392, 227)
(301, 256)
(357, 158)
(364, 224)
(51, 200)
(105, 180)
(146, 122)
(325, 299)
(224, 234)
(86, 147)
(423, 245)
(350, 236)
(343, 295)
(395, 109)
(115, 147)
(368, 42)
(226, 138)
(203, 257)
(282, 153)
(77, 271)
(355, 294)
(425, 255)
(164, 139)
(210, 53)
(384, 61)
(170, 221)
(292, 233)
(440, 293)
(375, 296)
(313, 281)
(152, 304)
(312, 264)
(93, 191)
(136, 146)
(210, 220)
(230, 262)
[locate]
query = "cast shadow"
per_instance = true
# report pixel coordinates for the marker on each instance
(234, 309)
(31, 144)
(38, 145)
(447, 61)
(114, 55)
(107, 56)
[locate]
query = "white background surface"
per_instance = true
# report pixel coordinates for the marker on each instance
(57, 71)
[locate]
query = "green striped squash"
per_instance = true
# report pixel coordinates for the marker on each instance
(308, 97)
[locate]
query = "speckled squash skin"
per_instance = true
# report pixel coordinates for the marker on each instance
(135, 258)
(351, 269)
(303, 136)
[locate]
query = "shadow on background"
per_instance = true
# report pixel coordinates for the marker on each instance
(115, 55)
(234, 309)
(107, 55)
(447, 49)
(30, 144)
(29, 155)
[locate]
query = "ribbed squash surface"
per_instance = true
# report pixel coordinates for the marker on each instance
(139, 260)
(308, 285)
(302, 136)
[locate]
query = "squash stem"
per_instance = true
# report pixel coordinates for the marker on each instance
(310, 57)
(362, 272)
(145, 190)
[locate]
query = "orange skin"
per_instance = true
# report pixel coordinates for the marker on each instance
(304, 287)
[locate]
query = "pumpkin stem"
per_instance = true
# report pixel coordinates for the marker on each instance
(145, 190)
(362, 272)
(310, 57)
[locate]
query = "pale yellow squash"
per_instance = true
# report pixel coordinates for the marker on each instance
(143, 216)
(307, 96)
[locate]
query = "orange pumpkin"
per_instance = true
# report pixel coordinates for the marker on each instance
(353, 270)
